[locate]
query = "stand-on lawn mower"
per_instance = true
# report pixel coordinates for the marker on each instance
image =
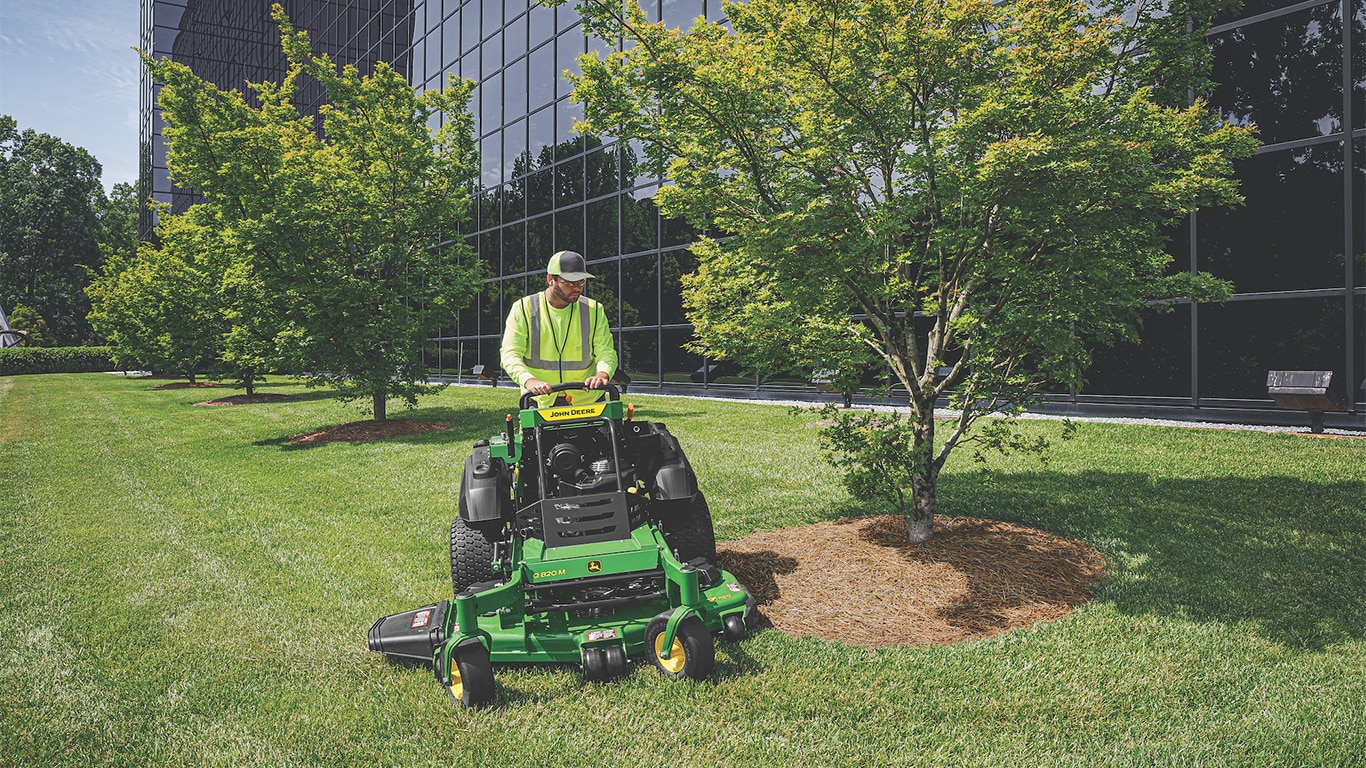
(582, 537)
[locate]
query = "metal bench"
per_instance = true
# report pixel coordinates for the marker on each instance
(1311, 391)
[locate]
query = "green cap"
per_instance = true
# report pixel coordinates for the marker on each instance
(568, 265)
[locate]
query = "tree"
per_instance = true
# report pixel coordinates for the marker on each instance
(343, 244)
(974, 192)
(21, 318)
(49, 194)
(160, 306)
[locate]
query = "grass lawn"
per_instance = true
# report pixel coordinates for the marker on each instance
(182, 586)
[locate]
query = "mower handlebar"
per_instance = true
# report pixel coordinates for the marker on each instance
(612, 392)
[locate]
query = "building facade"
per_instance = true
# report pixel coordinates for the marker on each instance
(1293, 251)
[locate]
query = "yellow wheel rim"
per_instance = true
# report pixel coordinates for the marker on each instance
(457, 685)
(674, 664)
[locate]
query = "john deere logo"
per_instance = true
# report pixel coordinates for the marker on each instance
(594, 566)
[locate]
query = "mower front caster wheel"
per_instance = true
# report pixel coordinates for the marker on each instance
(471, 677)
(603, 663)
(734, 628)
(693, 653)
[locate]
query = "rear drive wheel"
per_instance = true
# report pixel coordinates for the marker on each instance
(692, 655)
(471, 554)
(471, 677)
(686, 524)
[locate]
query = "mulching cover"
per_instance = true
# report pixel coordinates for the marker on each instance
(862, 581)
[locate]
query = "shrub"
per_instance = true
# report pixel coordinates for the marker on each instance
(20, 360)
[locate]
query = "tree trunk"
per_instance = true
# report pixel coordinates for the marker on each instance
(250, 382)
(924, 479)
(379, 400)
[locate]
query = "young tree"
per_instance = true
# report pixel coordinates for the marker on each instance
(160, 306)
(49, 193)
(344, 244)
(973, 191)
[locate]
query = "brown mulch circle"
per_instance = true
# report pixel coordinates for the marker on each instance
(248, 399)
(364, 431)
(861, 580)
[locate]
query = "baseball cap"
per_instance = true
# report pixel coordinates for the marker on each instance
(568, 265)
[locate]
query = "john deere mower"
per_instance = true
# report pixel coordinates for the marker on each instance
(582, 538)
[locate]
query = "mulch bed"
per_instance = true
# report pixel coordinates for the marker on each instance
(363, 431)
(267, 397)
(861, 580)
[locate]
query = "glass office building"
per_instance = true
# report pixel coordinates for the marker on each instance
(1295, 69)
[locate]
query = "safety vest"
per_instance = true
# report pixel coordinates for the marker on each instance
(567, 357)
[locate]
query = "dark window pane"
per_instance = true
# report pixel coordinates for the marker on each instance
(1241, 341)
(714, 11)
(450, 38)
(514, 147)
(514, 201)
(434, 59)
(1179, 246)
(1358, 220)
(675, 232)
(601, 229)
(540, 243)
(600, 170)
(1284, 74)
(639, 356)
(514, 249)
(542, 135)
(569, 183)
(1289, 235)
(1251, 8)
(539, 192)
(679, 363)
(674, 265)
(638, 225)
(491, 148)
(640, 288)
(1159, 366)
(569, 230)
(567, 142)
(605, 288)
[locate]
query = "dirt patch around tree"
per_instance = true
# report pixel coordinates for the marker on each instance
(187, 385)
(364, 431)
(862, 581)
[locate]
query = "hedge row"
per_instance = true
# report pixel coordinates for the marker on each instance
(17, 360)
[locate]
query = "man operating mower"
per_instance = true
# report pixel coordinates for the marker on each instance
(559, 335)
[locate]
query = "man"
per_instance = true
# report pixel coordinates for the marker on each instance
(559, 335)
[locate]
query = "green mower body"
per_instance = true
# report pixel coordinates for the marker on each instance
(582, 538)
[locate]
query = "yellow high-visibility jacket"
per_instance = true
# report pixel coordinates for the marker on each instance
(557, 345)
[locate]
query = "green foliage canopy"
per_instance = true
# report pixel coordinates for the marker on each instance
(49, 229)
(973, 192)
(340, 248)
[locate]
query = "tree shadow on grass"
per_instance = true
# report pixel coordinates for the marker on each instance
(1284, 555)
(462, 425)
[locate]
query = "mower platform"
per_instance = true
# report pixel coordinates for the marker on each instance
(582, 538)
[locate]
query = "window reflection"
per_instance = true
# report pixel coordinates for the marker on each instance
(1284, 74)
(1289, 233)
(1241, 341)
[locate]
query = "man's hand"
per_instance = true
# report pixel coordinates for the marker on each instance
(596, 381)
(536, 386)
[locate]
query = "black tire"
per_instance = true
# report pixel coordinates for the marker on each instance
(686, 525)
(693, 653)
(594, 665)
(616, 660)
(471, 677)
(471, 554)
(734, 628)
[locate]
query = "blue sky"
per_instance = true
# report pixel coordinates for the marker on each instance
(67, 68)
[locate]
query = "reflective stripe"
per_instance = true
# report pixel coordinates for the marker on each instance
(534, 360)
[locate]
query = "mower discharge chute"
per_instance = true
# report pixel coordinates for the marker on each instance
(582, 537)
